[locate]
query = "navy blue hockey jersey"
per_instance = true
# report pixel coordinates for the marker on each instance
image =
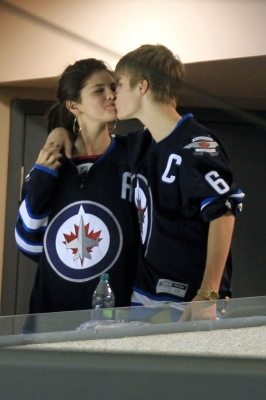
(78, 223)
(180, 184)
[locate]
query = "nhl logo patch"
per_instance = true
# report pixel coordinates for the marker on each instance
(83, 241)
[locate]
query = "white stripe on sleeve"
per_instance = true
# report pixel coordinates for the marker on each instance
(31, 222)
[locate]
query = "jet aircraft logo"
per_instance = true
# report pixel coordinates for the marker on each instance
(83, 241)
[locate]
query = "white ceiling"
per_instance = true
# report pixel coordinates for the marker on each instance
(197, 30)
(221, 42)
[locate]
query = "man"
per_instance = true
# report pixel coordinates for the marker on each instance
(183, 187)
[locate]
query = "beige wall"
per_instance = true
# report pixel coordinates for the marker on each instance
(4, 123)
(31, 47)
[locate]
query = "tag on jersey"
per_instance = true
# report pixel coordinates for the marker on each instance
(171, 287)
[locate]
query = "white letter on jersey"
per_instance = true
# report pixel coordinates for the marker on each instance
(173, 158)
(218, 184)
(126, 186)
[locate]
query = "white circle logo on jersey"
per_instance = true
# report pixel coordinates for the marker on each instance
(142, 208)
(143, 203)
(83, 241)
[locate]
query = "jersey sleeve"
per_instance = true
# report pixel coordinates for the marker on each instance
(33, 212)
(207, 179)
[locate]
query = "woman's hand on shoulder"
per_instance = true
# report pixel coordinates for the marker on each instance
(49, 156)
(61, 137)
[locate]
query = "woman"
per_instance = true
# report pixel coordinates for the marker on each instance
(76, 217)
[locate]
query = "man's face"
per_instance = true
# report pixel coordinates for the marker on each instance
(127, 99)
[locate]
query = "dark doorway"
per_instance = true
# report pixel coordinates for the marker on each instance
(27, 136)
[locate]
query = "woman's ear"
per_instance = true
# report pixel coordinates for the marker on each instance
(73, 107)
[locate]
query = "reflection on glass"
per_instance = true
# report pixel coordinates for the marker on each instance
(132, 321)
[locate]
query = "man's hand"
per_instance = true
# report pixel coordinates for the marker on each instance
(219, 240)
(199, 309)
(61, 137)
(49, 156)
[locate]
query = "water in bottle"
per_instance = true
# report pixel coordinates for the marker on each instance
(103, 296)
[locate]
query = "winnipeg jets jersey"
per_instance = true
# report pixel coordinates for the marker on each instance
(79, 222)
(180, 184)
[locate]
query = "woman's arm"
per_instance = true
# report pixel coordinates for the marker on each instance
(37, 191)
(62, 138)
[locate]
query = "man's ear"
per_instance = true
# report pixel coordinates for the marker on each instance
(143, 87)
(73, 107)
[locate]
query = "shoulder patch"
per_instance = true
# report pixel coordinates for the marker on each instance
(203, 144)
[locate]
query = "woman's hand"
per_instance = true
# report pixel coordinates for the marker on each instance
(61, 137)
(49, 156)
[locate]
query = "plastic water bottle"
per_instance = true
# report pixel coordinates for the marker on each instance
(103, 297)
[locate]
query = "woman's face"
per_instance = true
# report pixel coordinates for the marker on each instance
(97, 98)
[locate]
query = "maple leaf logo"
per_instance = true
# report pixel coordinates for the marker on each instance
(204, 144)
(82, 241)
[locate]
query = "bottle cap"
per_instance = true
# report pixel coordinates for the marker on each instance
(104, 277)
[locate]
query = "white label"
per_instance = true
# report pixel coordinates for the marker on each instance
(172, 287)
(205, 150)
(202, 138)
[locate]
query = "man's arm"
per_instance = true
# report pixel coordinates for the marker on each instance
(219, 241)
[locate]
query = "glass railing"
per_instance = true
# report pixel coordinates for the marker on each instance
(132, 321)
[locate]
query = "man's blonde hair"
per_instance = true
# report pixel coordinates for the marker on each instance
(157, 64)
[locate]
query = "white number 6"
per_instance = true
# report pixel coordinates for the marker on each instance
(217, 183)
